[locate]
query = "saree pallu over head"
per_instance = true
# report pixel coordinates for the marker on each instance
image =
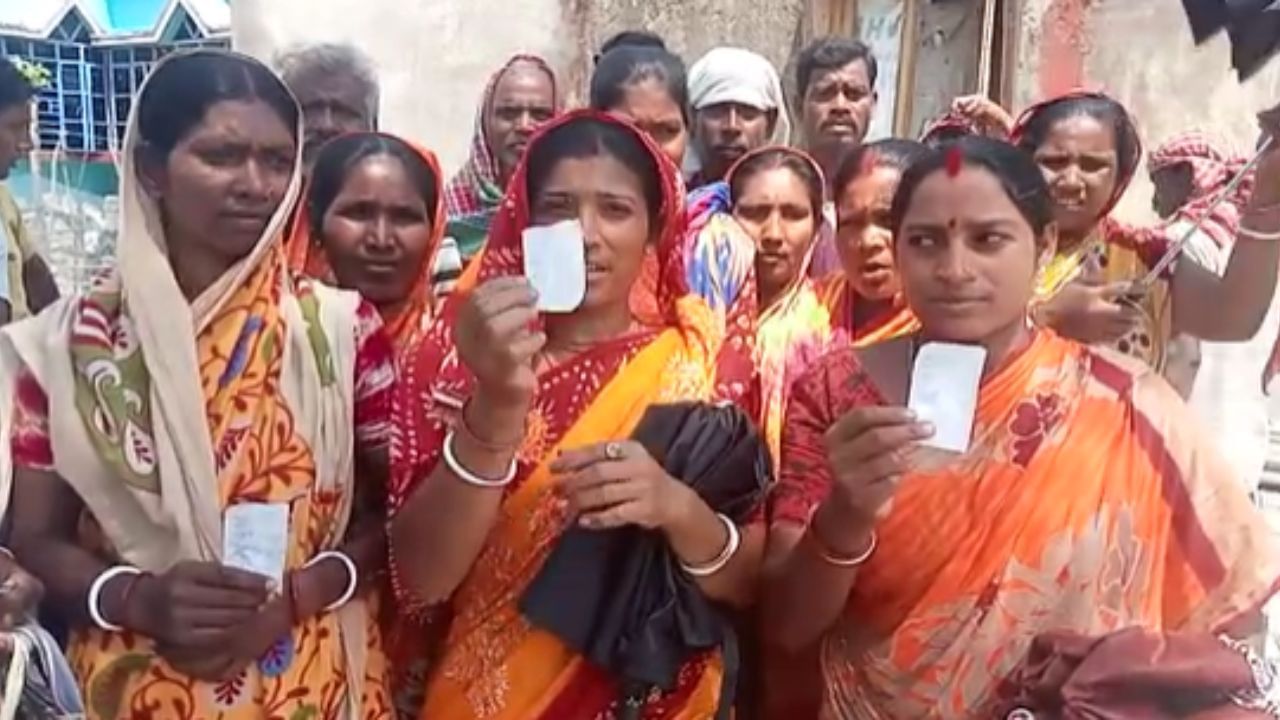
(159, 419)
(1114, 252)
(792, 332)
(473, 195)
(493, 663)
(1089, 502)
(305, 249)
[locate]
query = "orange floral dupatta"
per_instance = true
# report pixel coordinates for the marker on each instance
(1089, 503)
(493, 664)
(404, 321)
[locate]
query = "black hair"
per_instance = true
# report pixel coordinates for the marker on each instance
(945, 134)
(780, 157)
(183, 88)
(15, 89)
(631, 38)
(1106, 111)
(628, 65)
(895, 153)
(832, 53)
(339, 156)
(588, 137)
(1016, 170)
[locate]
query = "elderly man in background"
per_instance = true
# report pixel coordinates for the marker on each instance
(738, 106)
(338, 89)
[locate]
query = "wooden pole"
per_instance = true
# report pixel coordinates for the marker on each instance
(908, 44)
(987, 50)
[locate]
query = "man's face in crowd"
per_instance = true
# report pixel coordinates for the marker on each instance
(836, 108)
(727, 131)
(332, 105)
(15, 136)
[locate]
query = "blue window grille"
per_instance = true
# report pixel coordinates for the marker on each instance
(86, 106)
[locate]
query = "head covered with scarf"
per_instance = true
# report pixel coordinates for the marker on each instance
(473, 194)
(734, 75)
(1209, 168)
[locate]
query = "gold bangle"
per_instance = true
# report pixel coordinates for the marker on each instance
(494, 446)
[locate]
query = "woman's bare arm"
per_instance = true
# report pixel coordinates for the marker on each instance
(804, 595)
(438, 534)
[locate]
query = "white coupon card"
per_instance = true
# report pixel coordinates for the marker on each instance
(255, 537)
(555, 261)
(944, 392)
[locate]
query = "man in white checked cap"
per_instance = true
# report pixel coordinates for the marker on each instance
(738, 106)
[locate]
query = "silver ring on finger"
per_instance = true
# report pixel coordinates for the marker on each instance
(613, 451)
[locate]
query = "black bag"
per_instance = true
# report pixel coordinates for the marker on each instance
(619, 597)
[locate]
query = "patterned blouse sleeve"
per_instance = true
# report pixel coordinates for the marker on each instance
(831, 387)
(375, 381)
(29, 439)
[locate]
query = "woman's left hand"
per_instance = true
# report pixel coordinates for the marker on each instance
(616, 484)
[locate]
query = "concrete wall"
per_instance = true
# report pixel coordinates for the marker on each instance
(1141, 52)
(434, 56)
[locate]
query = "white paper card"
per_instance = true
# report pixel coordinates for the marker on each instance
(944, 391)
(255, 537)
(555, 261)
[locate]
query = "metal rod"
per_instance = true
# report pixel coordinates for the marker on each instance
(1176, 248)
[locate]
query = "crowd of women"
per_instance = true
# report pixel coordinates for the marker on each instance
(699, 494)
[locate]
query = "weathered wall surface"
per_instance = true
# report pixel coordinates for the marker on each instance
(434, 56)
(1140, 51)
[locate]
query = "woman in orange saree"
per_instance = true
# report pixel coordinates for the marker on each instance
(1088, 500)
(512, 427)
(864, 298)
(197, 441)
(777, 196)
(373, 222)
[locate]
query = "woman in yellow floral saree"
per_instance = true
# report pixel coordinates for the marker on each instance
(1087, 502)
(512, 430)
(185, 481)
(777, 195)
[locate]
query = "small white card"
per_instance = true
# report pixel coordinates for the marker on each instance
(555, 261)
(255, 537)
(944, 392)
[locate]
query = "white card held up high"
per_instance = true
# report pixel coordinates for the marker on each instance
(944, 392)
(555, 261)
(255, 537)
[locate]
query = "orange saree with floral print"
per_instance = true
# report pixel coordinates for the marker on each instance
(1089, 503)
(492, 662)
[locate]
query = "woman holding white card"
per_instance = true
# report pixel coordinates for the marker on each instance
(514, 429)
(200, 407)
(1088, 501)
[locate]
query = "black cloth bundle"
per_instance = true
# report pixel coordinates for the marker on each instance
(1252, 25)
(619, 597)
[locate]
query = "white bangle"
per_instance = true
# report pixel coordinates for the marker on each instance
(730, 549)
(7, 553)
(470, 478)
(95, 595)
(1257, 235)
(353, 576)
